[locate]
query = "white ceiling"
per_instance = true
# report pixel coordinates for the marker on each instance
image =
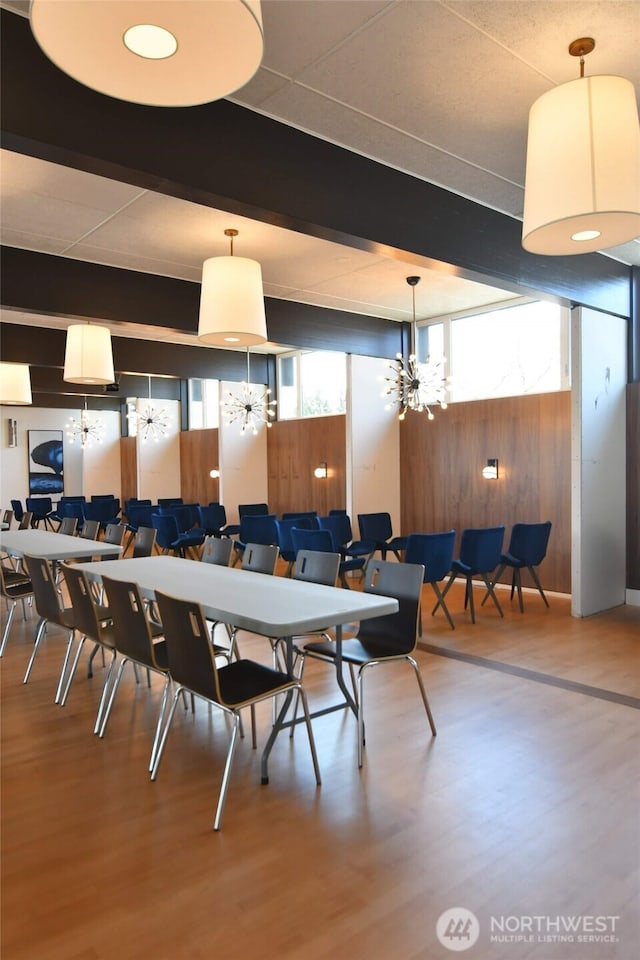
(440, 90)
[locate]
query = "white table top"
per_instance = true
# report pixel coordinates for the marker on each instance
(272, 606)
(54, 546)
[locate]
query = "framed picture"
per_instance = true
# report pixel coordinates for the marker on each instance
(46, 462)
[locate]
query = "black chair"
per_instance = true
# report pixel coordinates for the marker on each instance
(7, 519)
(93, 622)
(217, 550)
(144, 542)
(25, 520)
(14, 586)
(41, 509)
(68, 526)
(90, 530)
(376, 527)
(312, 566)
(322, 542)
(384, 639)
(138, 516)
(133, 636)
(50, 610)
(435, 552)
(114, 533)
(242, 683)
(258, 558)
(480, 551)
(527, 549)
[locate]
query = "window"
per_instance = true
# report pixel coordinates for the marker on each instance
(311, 384)
(502, 352)
(204, 405)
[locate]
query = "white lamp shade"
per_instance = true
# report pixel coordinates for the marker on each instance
(88, 357)
(583, 167)
(219, 47)
(232, 303)
(15, 384)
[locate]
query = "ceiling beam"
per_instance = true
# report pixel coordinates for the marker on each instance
(227, 157)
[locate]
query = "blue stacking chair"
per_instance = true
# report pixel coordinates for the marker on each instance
(106, 510)
(339, 523)
(322, 542)
(212, 519)
(169, 537)
(255, 528)
(527, 549)
(285, 542)
(377, 528)
(58, 514)
(41, 509)
(301, 515)
(434, 551)
(169, 501)
(18, 509)
(138, 516)
(480, 552)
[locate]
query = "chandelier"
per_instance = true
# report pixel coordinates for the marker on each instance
(87, 428)
(151, 423)
(251, 407)
(413, 385)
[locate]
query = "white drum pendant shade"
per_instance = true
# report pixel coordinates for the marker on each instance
(232, 303)
(583, 168)
(88, 357)
(180, 52)
(15, 384)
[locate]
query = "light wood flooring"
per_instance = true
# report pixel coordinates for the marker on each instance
(526, 803)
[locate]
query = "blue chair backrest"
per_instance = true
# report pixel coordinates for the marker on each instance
(302, 515)
(139, 514)
(169, 501)
(340, 526)
(259, 528)
(133, 502)
(434, 551)
(18, 509)
(285, 541)
(529, 542)
(252, 509)
(335, 512)
(103, 496)
(105, 511)
(481, 548)
(166, 527)
(318, 540)
(375, 526)
(212, 517)
(72, 508)
(39, 506)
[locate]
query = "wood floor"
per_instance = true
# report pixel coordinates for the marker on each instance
(526, 804)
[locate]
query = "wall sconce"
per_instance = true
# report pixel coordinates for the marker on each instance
(12, 433)
(490, 472)
(321, 471)
(214, 474)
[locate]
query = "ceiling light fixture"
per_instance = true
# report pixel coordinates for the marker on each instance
(232, 301)
(251, 407)
(164, 53)
(151, 423)
(88, 357)
(88, 429)
(582, 187)
(415, 386)
(15, 384)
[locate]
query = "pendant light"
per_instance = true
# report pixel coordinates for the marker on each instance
(88, 429)
(412, 385)
(15, 384)
(251, 407)
(164, 53)
(582, 187)
(151, 422)
(232, 301)
(88, 357)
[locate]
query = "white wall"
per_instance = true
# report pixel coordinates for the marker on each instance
(101, 461)
(243, 462)
(159, 462)
(373, 443)
(598, 461)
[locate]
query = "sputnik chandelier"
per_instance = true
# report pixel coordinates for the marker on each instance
(413, 385)
(87, 428)
(152, 423)
(251, 407)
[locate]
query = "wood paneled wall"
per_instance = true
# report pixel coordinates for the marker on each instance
(128, 468)
(198, 457)
(295, 449)
(441, 471)
(633, 486)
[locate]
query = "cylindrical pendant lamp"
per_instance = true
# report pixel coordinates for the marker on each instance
(164, 53)
(582, 188)
(88, 357)
(15, 384)
(232, 303)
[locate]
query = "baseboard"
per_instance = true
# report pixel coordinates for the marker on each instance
(633, 598)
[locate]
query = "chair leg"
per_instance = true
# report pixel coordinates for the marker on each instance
(165, 732)
(159, 724)
(517, 580)
(361, 712)
(312, 744)
(7, 626)
(537, 583)
(65, 664)
(105, 691)
(222, 796)
(114, 689)
(492, 594)
(495, 579)
(440, 595)
(72, 672)
(444, 593)
(468, 596)
(418, 673)
(40, 632)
